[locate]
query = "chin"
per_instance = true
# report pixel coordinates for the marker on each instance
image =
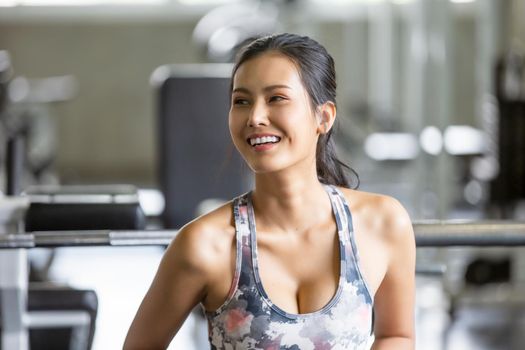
(264, 168)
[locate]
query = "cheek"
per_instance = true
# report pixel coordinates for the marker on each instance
(235, 126)
(301, 126)
(232, 121)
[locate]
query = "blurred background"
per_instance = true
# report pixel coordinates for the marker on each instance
(430, 110)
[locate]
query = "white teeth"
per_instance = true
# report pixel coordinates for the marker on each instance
(264, 139)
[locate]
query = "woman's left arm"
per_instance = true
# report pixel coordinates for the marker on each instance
(394, 299)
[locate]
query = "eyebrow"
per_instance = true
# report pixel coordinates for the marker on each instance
(266, 89)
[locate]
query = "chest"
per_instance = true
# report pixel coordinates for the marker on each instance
(292, 276)
(300, 274)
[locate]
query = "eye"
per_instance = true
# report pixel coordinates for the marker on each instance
(277, 98)
(240, 101)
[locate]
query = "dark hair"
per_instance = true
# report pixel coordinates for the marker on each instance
(317, 71)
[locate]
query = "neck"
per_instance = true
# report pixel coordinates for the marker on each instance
(290, 203)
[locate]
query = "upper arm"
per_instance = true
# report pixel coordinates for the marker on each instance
(179, 284)
(394, 299)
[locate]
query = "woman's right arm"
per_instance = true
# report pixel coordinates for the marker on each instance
(179, 285)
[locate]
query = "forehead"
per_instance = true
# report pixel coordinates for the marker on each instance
(270, 68)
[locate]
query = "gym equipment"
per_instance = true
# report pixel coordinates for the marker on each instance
(428, 234)
(84, 208)
(55, 317)
(509, 185)
(193, 102)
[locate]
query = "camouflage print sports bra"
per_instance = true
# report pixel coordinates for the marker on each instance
(249, 320)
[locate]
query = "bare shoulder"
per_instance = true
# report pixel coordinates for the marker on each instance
(205, 243)
(198, 254)
(387, 254)
(385, 240)
(383, 214)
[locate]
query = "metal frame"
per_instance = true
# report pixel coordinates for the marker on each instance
(13, 298)
(14, 317)
(79, 320)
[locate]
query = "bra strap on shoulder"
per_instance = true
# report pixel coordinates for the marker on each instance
(342, 208)
(242, 226)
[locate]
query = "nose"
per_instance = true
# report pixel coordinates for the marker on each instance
(258, 115)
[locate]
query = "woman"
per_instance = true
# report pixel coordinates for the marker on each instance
(302, 261)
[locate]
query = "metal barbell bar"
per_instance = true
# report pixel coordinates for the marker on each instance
(433, 233)
(484, 233)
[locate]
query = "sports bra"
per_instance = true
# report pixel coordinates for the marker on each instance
(249, 320)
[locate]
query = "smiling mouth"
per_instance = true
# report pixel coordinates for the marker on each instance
(257, 141)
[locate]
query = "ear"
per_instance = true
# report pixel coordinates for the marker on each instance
(326, 117)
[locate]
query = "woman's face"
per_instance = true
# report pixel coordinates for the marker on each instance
(271, 120)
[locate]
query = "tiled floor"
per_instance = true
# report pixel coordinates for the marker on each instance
(121, 277)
